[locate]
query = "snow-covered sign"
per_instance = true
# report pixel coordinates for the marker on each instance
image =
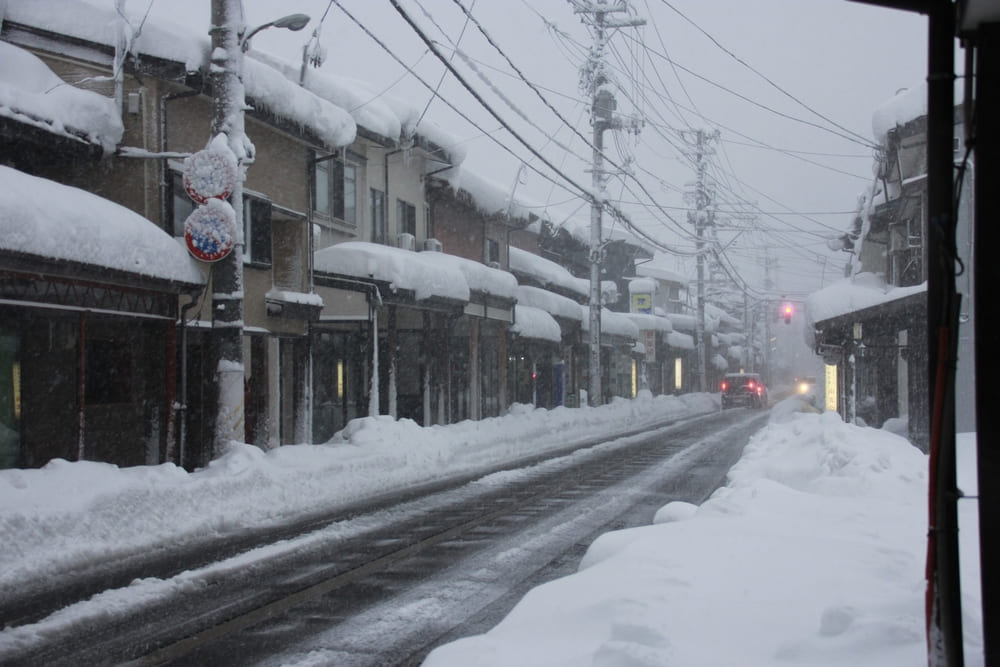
(210, 230)
(210, 174)
(209, 179)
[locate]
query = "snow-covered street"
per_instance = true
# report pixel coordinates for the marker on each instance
(811, 555)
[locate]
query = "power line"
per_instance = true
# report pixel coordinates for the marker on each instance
(760, 74)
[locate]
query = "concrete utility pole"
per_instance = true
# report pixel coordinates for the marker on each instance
(602, 117)
(227, 274)
(703, 199)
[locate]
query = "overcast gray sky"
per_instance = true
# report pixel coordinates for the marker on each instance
(789, 84)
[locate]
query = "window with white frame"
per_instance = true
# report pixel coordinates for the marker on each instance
(377, 203)
(335, 189)
(256, 230)
(406, 217)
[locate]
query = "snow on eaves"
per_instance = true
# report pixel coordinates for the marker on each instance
(401, 269)
(612, 323)
(546, 272)
(858, 292)
(33, 94)
(266, 86)
(535, 323)
(680, 341)
(490, 197)
(646, 322)
(552, 303)
(479, 277)
(43, 218)
(908, 104)
(97, 21)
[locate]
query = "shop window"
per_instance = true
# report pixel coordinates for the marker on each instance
(107, 372)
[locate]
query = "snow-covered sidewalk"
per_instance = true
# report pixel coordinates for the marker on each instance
(67, 516)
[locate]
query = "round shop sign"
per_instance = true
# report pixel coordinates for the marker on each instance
(210, 174)
(210, 230)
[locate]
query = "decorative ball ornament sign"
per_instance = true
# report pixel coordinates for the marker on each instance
(209, 179)
(210, 230)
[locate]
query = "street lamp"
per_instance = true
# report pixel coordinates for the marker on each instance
(292, 22)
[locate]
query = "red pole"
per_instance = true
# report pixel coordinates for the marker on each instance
(81, 388)
(171, 388)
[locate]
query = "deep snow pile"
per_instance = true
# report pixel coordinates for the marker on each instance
(812, 554)
(66, 515)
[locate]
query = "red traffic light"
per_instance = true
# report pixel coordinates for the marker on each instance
(787, 312)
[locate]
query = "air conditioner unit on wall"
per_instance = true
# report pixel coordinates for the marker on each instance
(433, 245)
(406, 241)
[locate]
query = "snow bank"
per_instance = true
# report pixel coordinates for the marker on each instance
(812, 554)
(61, 518)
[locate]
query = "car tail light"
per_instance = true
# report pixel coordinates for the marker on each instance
(724, 386)
(751, 384)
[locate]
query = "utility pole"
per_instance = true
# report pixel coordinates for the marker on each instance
(227, 274)
(602, 117)
(702, 217)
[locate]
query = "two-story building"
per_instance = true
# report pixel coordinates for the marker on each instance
(871, 328)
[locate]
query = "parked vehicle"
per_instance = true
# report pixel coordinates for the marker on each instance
(747, 389)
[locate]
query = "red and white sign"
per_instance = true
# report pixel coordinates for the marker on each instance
(210, 174)
(210, 230)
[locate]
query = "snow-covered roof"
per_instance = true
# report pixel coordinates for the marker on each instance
(718, 314)
(268, 87)
(858, 292)
(535, 323)
(550, 302)
(680, 341)
(489, 196)
(642, 286)
(647, 322)
(478, 276)
(615, 324)
(659, 272)
(402, 269)
(719, 362)
(43, 218)
(686, 322)
(32, 93)
(906, 105)
(547, 272)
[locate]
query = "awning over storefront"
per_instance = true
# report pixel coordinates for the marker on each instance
(554, 304)
(535, 324)
(399, 270)
(617, 325)
(59, 230)
(680, 341)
